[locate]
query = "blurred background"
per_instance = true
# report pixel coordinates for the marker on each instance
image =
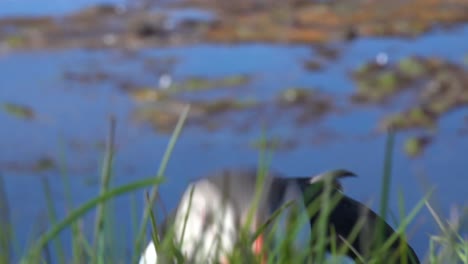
(321, 80)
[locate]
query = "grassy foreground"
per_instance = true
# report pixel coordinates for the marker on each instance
(447, 247)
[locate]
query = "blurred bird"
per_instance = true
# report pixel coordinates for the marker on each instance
(213, 210)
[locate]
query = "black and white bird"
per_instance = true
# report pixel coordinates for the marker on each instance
(213, 210)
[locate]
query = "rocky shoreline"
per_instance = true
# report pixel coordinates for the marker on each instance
(293, 21)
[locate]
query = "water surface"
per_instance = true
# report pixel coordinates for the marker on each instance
(73, 119)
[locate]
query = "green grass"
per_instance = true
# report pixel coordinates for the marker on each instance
(5, 225)
(446, 247)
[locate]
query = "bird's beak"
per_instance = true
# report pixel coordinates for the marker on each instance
(334, 176)
(257, 248)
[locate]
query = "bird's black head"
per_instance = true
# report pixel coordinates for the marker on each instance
(313, 187)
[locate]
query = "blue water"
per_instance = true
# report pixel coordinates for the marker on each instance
(71, 114)
(10, 8)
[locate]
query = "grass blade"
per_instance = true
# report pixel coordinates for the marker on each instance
(262, 171)
(5, 225)
(78, 246)
(154, 191)
(154, 229)
(76, 214)
(403, 225)
(53, 219)
(385, 188)
(99, 236)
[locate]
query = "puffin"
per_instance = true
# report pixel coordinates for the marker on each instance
(218, 211)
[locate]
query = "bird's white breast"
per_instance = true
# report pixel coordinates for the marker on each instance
(204, 241)
(201, 241)
(149, 256)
